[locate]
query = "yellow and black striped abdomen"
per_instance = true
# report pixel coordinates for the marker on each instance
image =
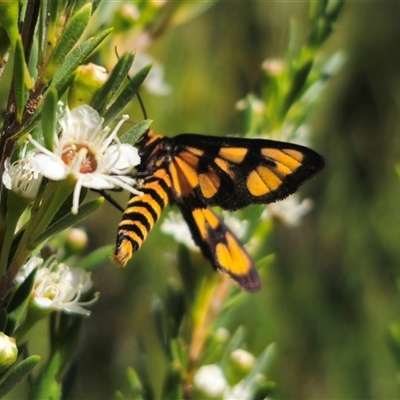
(140, 215)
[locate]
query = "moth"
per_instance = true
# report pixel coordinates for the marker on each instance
(197, 172)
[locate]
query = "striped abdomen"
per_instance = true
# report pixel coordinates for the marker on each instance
(140, 215)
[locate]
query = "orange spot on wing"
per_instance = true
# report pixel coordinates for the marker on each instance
(187, 176)
(233, 154)
(285, 158)
(209, 184)
(261, 181)
(189, 159)
(223, 165)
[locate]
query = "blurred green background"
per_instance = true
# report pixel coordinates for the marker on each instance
(331, 294)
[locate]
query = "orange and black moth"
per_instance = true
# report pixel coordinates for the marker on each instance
(197, 172)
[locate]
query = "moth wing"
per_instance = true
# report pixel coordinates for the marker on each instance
(235, 172)
(220, 246)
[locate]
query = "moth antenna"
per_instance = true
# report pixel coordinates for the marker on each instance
(141, 105)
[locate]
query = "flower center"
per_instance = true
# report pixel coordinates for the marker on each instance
(88, 163)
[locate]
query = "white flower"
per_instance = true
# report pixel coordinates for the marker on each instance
(241, 391)
(90, 154)
(58, 286)
(23, 176)
(176, 226)
(236, 225)
(289, 211)
(245, 389)
(210, 380)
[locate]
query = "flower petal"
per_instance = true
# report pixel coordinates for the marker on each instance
(51, 167)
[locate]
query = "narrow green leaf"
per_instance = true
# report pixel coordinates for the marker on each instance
(264, 390)
(236, 341)
(65, 72)
(96, 4)
(70, 219)
(118, 395)
(19, 302)
(95, 258)
(159, 318)
(264, 362)
(42, 26)
(68, 40)
(54, 9)
(114, 82)
(9, 16)
(175, 308)
(49, 120)
(76, 57)
(48, 386)
(135, 384)
(20, 372)
(77, 5)
(4, 48)
(316, 9)
(172, 389)
(133, 134)
(127, 94)
(19, 79)
(333, 9)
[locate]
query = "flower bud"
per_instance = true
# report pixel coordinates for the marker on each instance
(8, 351)
(239, 365)
(209, 382)
(76, 241)
(87, 82)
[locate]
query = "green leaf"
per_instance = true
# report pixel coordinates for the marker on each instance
(20, 372)
(19, 302)
(9, 18)
(48, 386)
(76, 57)
(135, 384)
(127, 94)
(49, 121)
(175, 308)
(113, 83)
(4, 47)
(70, 219)
(132, 135)
(264, 390)
(95, 258)
(77, 5)
(264, 362)
(394, 340)
(118, 395)
(96, 4)
(333, 9)
(159, 318)
(68, 40)
(236, 341)
(54, 10)
(42, 26)
(19, 79)
(172, 389)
